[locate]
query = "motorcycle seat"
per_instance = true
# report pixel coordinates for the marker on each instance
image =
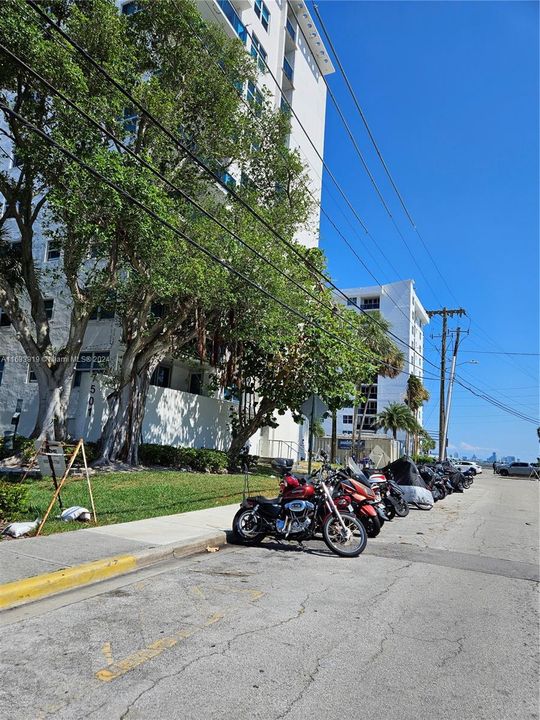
(261, 500)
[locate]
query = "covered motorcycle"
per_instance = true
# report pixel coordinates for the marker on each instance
(405, 473)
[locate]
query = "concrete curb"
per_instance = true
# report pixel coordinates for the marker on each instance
(20, 592)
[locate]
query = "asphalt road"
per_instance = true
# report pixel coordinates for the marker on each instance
(437, 619)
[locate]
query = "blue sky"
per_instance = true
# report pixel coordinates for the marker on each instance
(450, 90)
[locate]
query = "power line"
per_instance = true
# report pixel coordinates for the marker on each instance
(493, 352)
(377, 149)
(197, 160)
(95, 173)
(387, 170)
(128, 150)
(324, 212)
(92, 171)
(203, 165)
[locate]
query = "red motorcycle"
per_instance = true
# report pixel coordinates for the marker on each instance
(349, 492)
(302, 510)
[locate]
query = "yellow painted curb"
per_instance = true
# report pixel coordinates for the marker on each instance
(33, 588)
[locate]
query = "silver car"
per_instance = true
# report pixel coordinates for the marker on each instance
(518, 468)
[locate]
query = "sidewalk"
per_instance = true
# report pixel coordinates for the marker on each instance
(31, 568)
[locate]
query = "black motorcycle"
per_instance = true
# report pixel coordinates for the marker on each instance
(302, 510)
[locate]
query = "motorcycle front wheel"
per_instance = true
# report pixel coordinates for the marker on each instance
(390, 508)
(247, 527)
(400, 506)
(349, 543)
(372, 525)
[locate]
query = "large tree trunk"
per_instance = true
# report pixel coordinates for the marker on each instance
(122, 431)
(126, 408)
(246, 429)
(54, 392)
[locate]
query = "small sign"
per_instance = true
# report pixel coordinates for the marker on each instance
(344, 444)
(314, 405)
(50, 453)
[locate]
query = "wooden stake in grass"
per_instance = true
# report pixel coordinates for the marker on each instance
(88, 483)
(62, 481)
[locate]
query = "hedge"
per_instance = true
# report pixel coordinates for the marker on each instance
(200, 459)
(21, 445)
(13, 499)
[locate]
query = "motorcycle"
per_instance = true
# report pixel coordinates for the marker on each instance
(392, 497)
(364, 500)
(302, 510)
(434, 482)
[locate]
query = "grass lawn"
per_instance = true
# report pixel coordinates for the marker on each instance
(121, 497)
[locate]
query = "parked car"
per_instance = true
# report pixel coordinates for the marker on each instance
(518, 468)
(463, 465)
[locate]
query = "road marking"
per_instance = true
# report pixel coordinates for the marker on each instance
(121, 667)
(196, 590)
(107, 653)
(253, 593)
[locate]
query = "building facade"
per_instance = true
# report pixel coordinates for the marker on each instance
(398, 303)
(181, 408)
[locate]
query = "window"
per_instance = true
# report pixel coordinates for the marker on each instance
(254, 95)
(53, 250)
(4, 319)
(130, 119)
(101, 313)
(347, 419)
(94, 362)
(352, 301)
(157, 310)
(371, 409)
(263, 13)
(370, 303)
(369, 422)
(291, 30)
(104, 312)
(288, 70)
(232, 17)
(49, 304)
(195, 383)
(227, 178)
(31, 376)
(130, 8)
(2, 365)
(258, 52)
(285, 105)
(161, 377)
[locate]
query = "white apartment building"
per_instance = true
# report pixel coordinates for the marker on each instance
(181, 410)
(398, 303)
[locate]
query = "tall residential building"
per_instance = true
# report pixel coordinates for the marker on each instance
(181, 409)
(293, 61)
(398, 303)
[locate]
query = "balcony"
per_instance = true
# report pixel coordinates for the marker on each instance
(230, 13)
(291, 30)
(288, 74)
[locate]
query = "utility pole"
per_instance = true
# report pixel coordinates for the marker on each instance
(450, 388)
(445, 313)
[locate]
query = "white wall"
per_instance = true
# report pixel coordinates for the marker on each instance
(179, 418)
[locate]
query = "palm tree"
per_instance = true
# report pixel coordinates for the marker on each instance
(390, 362)
(417, 395)
(396, 416)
